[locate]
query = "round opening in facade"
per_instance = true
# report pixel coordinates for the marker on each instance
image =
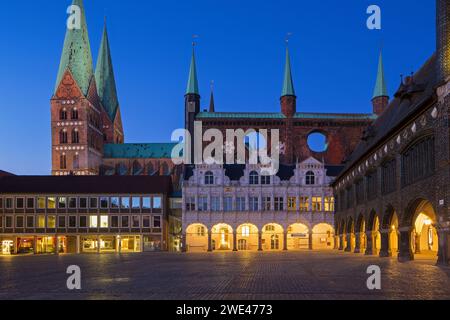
(317, 142)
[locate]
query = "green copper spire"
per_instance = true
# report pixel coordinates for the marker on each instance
(288, 85)
(192, 87)
(76, 55)
(104, 77)
(380, 87)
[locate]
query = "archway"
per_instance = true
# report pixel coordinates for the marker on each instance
(247, 237)
(322, 237)
(373, 234)
(350, 235)
(272, 237)
(361, 239)
(298, 237)
(222, 237)
(425, 242)
(343, 236)
(196, 238)
(389, 236)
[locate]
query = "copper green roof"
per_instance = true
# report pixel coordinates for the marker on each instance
(305, 116)
(380, 86)
(104, 77)
(288, 84)
(76, 55)
(192, 86)
(139, 151)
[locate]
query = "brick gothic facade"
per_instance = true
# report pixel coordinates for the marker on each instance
(393, 196)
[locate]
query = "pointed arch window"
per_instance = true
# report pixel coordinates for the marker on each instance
(310, 178)
(254, 178)
(63, 114)
(209, 178)
(76, 161)
(63, 162)
(74, 114)
(75, 136)
(63, 136)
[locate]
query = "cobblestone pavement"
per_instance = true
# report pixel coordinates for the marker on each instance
(240, 276)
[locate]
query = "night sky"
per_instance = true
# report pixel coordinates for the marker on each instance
(241, 47)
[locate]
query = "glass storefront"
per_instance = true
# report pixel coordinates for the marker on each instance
(45, 245)
(108, 244)
(25, 245)
(130, 244)
(7, 246)
(152, 243)
(89, 244)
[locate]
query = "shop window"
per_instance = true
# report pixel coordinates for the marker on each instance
(125, 203)
(30, 222)
(41, 203)
(20, 203)
(136, 223)
(93, 222)
(62, 203)
(115, 203)
(104, 222)
(61, 222)
(304, 204)
(20, 222)
(114, 222)
(146, 203)
(292, 204)
(8, 222)
(157, 203)
(125, 222)
(157, 222)
(83, 222)
(136, 203)
(9, 203)
(72, 222)
(51, 203)
(41, 222)
(51, 222)
(104, 203)
(30, 203)
(83, 203)
(146, 222)
(93, 203)
(72, 203)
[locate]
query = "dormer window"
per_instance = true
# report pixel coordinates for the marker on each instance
(265, 180)
(310, 178)
(209, 178)
(254, 178)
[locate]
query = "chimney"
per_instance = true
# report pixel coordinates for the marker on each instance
(443, 39)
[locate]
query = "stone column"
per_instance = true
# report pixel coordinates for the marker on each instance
(341, 242)
(417, 243)
(406, 253)
(357, 243)
(348, 248)
(210, 241)
(285, 238)
(78, 244)
(310, 240)
(385, 250)
(369, 243)
(235, 240)
(260, 241)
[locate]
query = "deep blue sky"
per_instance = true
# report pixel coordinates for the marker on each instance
(241, 48)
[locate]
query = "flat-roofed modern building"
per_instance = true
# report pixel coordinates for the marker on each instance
(57, 215)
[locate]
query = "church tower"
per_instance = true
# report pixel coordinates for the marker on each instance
(107, 92)
(192, 102)
(76, 111)
(380, 99)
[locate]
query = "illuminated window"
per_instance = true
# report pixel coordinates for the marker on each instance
(201, 231)
(329, 204)
(304, 204)
(125, 203)
(270, 228)
(41, 222)
(93, 222)
(246, 231)
(317, 204)
(104, 222)
(51, 222)
(51, 203)
(292, 203)
(41, 203)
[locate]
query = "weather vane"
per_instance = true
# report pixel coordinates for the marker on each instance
(288, 36)
(194, 37)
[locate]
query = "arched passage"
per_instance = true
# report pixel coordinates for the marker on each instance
(373, 234)
(196, 238)
(222, 237)
(342, 235)
(322, 237)
(389, 233)
(298, 237)
(360, 235)
(350, 234)
(247, 237)
(272, 237)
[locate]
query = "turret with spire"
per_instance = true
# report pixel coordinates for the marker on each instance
(380, 99)
(107, 90)
(212, 106)
(288, 97)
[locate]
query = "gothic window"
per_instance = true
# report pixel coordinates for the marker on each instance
(76, 161)
(371, 185)
(209, 178)
(254, 178)
(75, 136)
(418, 161)
(63, 114)
(75, 114)
(359, 190)
(310, 178)
(63, 162)
(63, 136)
(389, 176)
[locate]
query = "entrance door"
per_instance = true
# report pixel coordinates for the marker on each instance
(275, 242)
(242, 245)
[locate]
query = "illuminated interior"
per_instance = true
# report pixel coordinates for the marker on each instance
(197, 238)
(272, 237)
(247, 237)
(222, 237)
(298, 237)
(323, 237)
(424, 238)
